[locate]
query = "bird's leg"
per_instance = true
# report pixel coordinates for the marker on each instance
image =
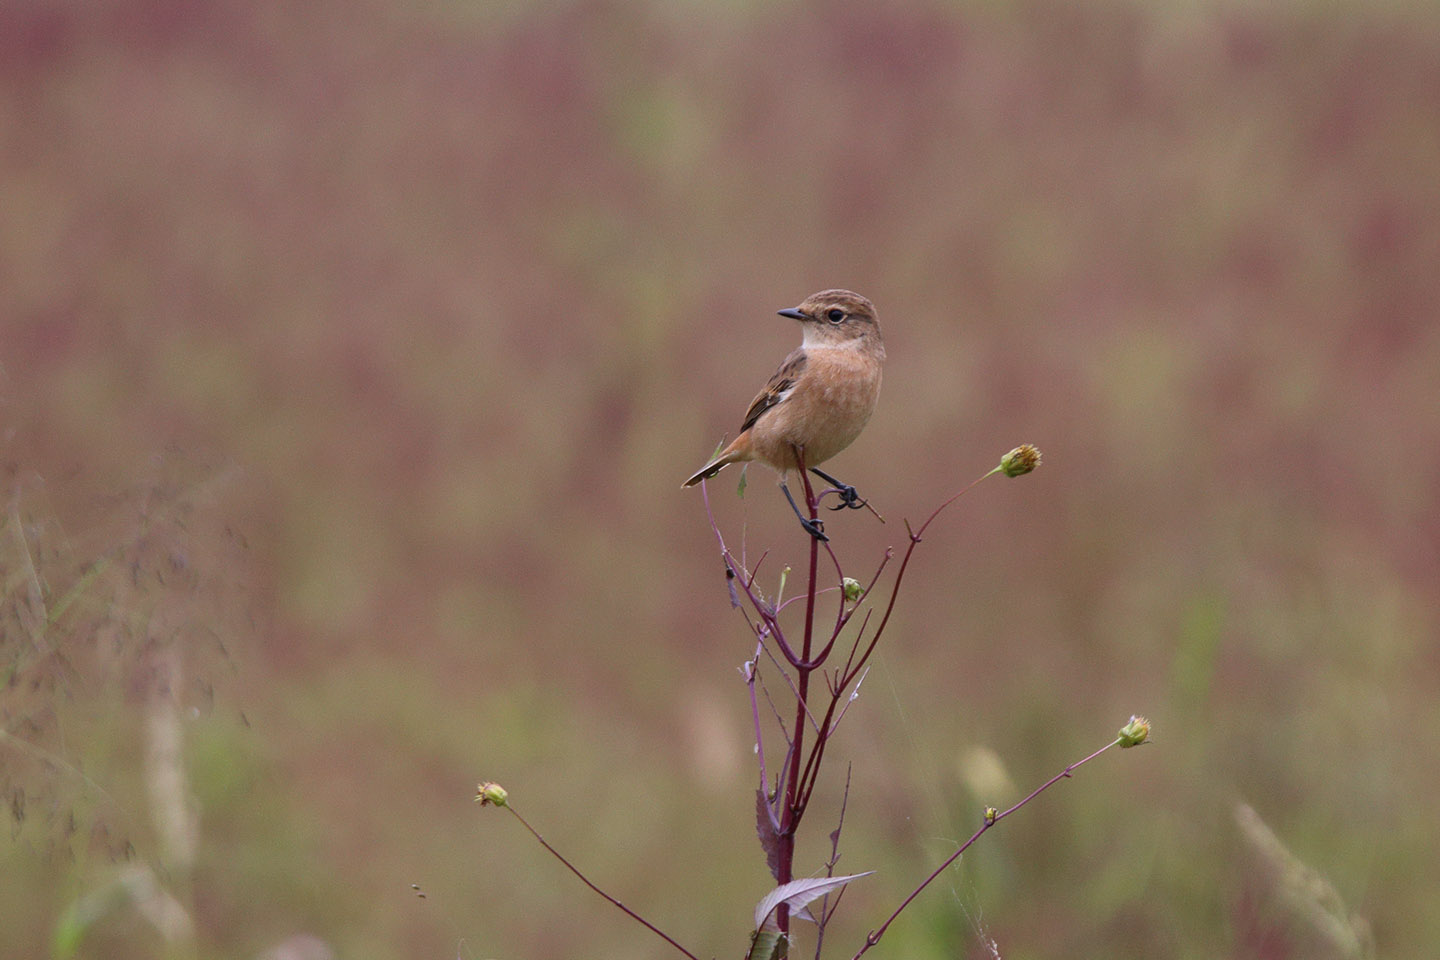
(815, 528)
(848, 497)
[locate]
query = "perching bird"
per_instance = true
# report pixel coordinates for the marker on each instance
(819, 400)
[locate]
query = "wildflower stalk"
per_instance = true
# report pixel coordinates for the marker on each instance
(1132, 734)
(781, 804)
(794, 810)
(799, 773)
(492, 794)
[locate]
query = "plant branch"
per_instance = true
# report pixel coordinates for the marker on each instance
(915, 537)
(827, 908)
(992, 817)
(794, 809)
(751, 669)
(586, 880)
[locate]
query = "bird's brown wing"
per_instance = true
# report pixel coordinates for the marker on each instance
(777, 389)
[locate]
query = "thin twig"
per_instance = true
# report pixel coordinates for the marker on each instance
(827, 909)
(915, 537)
(752, 669)
(990, 821)
(586, 880)
(854, 695)
(789, 683)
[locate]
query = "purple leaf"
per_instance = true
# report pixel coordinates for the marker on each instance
(797, 894)
(769, 835)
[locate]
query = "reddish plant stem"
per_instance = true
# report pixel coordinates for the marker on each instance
(800, 773)
(811, 773)
(768, 615)
(586, 880)
(875, 935)
(915, 537)
(794, 805)
(750, 680)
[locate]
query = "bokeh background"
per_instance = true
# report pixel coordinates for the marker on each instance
(353, 353)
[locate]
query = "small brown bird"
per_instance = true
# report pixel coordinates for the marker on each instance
(819, 400)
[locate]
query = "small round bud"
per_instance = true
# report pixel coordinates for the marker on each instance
(1134, 733)
(1020, 461)
(852, 588)
(488, 793)
(991, 815)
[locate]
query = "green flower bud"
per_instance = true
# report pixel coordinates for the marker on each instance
(1134, 733)
(1020, 461)
(488, 793)
(852, 588)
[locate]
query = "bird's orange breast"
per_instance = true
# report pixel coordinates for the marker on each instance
(825, 411)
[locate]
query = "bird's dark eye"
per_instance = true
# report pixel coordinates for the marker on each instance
(835, 314)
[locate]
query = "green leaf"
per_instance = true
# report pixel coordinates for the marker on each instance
(768, 945)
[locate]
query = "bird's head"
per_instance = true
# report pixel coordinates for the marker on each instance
(835, 317)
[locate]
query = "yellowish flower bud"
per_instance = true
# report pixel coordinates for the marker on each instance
(488, 793)
(1134, 733)
(1020, 461)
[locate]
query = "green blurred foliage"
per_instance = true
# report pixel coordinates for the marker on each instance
(400, 325)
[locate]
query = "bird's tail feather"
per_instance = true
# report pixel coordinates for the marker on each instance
(708, 471)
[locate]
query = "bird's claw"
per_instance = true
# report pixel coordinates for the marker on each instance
(816, 529)
(849, 499)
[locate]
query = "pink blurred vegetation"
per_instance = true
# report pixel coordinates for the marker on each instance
(353, 354)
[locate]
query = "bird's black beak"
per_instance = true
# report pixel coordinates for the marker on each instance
(793, 313)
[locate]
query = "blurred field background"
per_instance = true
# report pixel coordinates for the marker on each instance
(353, 353)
